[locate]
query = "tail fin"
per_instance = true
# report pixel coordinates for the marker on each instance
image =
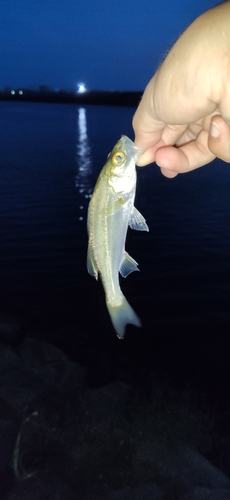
(122, 315)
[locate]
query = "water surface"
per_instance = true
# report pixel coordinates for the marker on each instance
(50, 157)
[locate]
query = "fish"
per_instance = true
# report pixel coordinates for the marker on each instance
(111, 211)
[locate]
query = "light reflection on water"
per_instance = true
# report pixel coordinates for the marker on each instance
(83, 179)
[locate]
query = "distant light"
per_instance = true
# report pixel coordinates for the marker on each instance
(81, 88)
(12, 92)
(20, 92)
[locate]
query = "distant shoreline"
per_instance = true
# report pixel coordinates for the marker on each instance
(96, 97)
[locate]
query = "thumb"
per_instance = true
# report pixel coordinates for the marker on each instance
(219, 138)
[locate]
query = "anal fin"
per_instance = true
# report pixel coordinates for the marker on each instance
(128, 265)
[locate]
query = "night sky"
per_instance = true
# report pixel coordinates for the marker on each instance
(107, 44)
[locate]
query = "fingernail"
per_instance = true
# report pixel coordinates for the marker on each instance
(214, 130)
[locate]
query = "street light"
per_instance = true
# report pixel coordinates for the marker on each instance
(81, 88)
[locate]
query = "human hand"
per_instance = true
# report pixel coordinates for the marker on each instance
(183, 119)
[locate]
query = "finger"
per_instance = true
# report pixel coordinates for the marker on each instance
(149, 155)
(168, 173)
(186, 158)
(147, 127)
(147, 132)
(173, 133)
(219, 138)
(152, 133)
(169, 136)
(187, 137)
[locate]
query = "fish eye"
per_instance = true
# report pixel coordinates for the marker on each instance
(118, 158)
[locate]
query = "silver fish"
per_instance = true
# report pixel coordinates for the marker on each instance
(111, 211)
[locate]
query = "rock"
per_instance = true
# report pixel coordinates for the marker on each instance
(206, 494)
(38, 370)
(39, 488)
(18, 385)
(181, 471)
(106, 402)
(8, 434)
(91, 441)
(10, 329)
(34, 352)
(144, 492)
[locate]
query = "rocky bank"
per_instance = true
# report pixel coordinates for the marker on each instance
(62, 440)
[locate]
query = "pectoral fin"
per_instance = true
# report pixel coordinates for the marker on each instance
(91, 264)
(137, 221)
(128, 265)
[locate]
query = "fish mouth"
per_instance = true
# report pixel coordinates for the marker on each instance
(130, 148)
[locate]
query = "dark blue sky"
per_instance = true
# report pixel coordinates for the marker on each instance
(108, 44)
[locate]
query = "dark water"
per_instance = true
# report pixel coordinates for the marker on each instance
(50, 157)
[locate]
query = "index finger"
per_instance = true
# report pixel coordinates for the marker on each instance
(147, 128)
(151, 141)
(152, 133)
